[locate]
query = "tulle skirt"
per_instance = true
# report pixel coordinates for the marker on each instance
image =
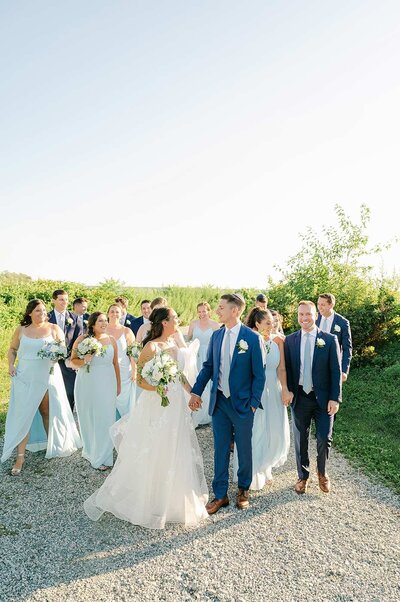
(158, 477)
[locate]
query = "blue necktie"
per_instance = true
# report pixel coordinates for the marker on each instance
(227, 364)
(307, 376)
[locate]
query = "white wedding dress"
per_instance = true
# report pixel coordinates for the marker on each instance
(158, 477)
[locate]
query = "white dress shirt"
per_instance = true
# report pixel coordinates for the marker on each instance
(234, 333)
(329, 322)
(313, 336)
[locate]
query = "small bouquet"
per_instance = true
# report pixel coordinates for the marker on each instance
(134, 350)
(92, 346)
(53, 351)
(159, 371)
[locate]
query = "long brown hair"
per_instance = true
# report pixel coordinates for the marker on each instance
(156, 318)
(92, 321)
(27, 320)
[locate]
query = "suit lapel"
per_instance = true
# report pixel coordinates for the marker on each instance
(236, 350)
(332, 330)
(319, 335)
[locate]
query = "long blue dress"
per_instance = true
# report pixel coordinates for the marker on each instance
(127, 397)
(28, 388)
(95, 402)
(203, 336)
(271, 433)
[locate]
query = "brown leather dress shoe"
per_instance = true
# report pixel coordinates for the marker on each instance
(324, 482)
(213, 506)
(242, 500)
(301, 486)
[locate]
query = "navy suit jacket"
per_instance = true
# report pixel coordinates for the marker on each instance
(129, 319)
(71, 331)
(341, 329)
(326, 371)
(136, 324)
(246, 376)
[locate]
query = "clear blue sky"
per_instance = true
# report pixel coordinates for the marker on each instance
(190, 142)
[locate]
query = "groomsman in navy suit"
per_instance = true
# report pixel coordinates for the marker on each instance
(145, 308)
(314, 377)
(79, 307)
(67, 321)
(235, 365)
(329, 321)
(126, 319)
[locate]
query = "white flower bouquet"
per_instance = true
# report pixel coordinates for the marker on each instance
(134, 350)
(92, 346)
(159, 371)
(53, 351)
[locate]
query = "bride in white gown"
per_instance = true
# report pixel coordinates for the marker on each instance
(158, 477)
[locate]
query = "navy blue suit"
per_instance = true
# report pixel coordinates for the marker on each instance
(129, 319)
(327, 385)
(341, 329)
(71, 332)
(136, 324)
(246, 384)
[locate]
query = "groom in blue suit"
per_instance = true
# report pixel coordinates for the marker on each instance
(313, 370)
(235, 365)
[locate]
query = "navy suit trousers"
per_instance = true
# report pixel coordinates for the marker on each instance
(224, 420)
(305, 410)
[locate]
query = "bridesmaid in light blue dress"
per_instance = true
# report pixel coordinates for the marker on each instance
(39, 416)
(202, 330)
(96, 393)
(271, 434)
(127, 365)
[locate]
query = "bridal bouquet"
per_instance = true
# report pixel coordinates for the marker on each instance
(92, 346)
(53, 351)
(159, 371)
(134, 350)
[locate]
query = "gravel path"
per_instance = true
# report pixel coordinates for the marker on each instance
(339, 547)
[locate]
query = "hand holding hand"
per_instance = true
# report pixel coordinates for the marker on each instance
(333, 407)
(287, 397)
(194, 403)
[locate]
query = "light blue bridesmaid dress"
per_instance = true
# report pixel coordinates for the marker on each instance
(95, 402)
(28, 388)
(203, 336)
(127, 397)
(271, 434)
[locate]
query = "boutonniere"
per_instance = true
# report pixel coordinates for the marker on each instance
(85, 322)
(128, 322)
(242, 346)
(69, 321)
(337, 328)
(320, 343)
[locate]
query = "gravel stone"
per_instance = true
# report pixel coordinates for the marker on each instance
(341, 547)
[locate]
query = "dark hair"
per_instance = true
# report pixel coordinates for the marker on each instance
(27, 320)
(158, 301)
(92, 321)
(59, 291)
(144, 301)
(257, 315)
(79, 300)
(122, 301)
(328, 296)
(156, 318)
(235, 299)
(261, 298)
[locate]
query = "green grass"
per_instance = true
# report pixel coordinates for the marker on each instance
(367, 428)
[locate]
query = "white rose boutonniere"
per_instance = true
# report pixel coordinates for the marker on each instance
(320, 343)
(69, 321)
(128, 322)
(242, 346)
(85, 322)
(337, 328)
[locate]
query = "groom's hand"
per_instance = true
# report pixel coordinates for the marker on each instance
(333, 407)
(194, 402)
